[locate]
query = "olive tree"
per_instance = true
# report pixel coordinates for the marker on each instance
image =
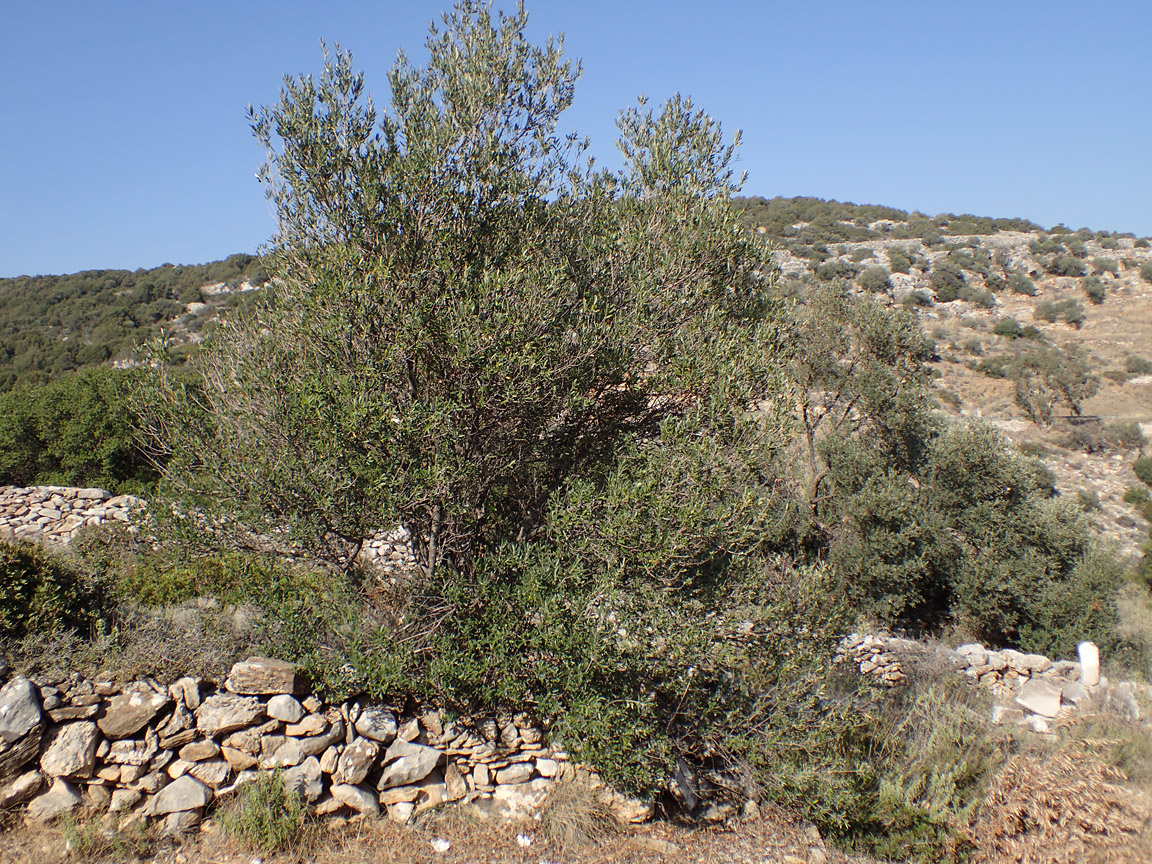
(464, 311)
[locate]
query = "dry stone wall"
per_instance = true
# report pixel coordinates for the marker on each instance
(144, 752)
(1029, 689)
(54, 514)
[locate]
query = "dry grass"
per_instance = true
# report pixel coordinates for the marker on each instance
(1067, 807)
(575, 816)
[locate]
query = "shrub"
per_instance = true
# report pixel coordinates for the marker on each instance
(1100, 266)
(1141, 244)
(1007, 327)
(977, 298)
(1066, 265)
(874, 280)
(45, 592)
(1137, 496)
(1142, 468)
(1126, 434)
(1045, 310)
(898, 260)
(861, 253)
(835, 269)
(1137, 365)
(995, 283)
(1146, 271)
(1094, 290)
(947, 280)
(264, 816)
(1021, 284)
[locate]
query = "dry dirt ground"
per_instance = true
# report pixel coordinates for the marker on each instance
(769, 839)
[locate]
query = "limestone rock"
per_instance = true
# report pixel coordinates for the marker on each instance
(211, 772)
(313, 724)
(124, 799)
(128, 713)
(21, 789)
(518, 801)
(317, 744)
(197, 751)
(262, 676)
(14, 757)
(19, 709)
(407, 763)
(187, 793)
(306, 779)
(62, 798)
(355, 762)
(71, 751)
(181, 821)
(358, 798)
(454, 784)
(239, 759)
(520, 772)
(1039, 697)
(225, 712)
(376, 722)
(277, 751)
(285, 707)
(133, 752)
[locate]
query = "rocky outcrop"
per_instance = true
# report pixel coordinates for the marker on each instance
(148, 752)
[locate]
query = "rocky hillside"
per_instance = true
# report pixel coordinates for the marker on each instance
(1017, 314)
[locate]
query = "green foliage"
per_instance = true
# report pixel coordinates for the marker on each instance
(75, 431)
(1134, 364)
(1100, 266)
(1141, 243)
(42, 591)
(264, 816)
(1126, 434)
(1094, 290)
(861, 254)
(1021, 284)
(947, 281)
(898, 260)
(1007, 327)
(1068, 310)
(51, 325)
(874, 280)
(1066, 265)
(976, 297)
(1146, 271)
(1142, 468)
(1046, 376)
(837, 268)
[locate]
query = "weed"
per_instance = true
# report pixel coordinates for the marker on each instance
(575, 815)
(264, 816)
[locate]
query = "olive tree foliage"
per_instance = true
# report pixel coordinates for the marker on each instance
(464, 311)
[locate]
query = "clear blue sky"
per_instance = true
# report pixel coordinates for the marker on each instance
(123, 141)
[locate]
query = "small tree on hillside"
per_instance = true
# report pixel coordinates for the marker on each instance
(464, 313)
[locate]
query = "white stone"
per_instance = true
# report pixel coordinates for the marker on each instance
(62, 798)
(19, 709)
(285, 707)
(376, 722)
(359, 799)
(1039, 697)
(1089, 664)
(187, 793)
(306, 779)
(407, 763)
(71, 751)
(355, 762)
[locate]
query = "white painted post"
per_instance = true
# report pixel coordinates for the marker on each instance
(1089, 664)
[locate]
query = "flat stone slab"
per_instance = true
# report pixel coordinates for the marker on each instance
(19, 709)
(225, 712)
(71, 751)
(128, 713)
(1039, 697)
(186, 793)
(262, 676)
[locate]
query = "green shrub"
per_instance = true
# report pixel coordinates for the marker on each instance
(1100, 266)
(947, 280)
(1146, 271)
(1031, 332)
(264, 816)
(976, 297)
(874, 280)
(995, 283)
(1142, 468)
(1007, 327)
(835, 269)
(1066, 265)
(1045, 310)
(1137, 365)
(1021, 284)
(43, 591)
(1126, 434)
(861, 253)
(898, 260)
(1094, 290)
(1141, 244)
(1137, 496)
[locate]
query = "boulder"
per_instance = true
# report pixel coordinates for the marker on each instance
(124, 799)
(62, 798)
(378, 723)
(317, 744)
(519, 772)
(313, 724)
(128, 713)
(132, 752)
(13, 757)
(197, 751)
(19, 709)
(181, 795)
(71, 750)
(1039, 697)
(22, 789)
(211, 772)
(357, 797)
(277, 751)
(262, 676)
(355, 762)
(306, 779)
(406, 763)
(225, 712)
(285, 707)
(518, 801)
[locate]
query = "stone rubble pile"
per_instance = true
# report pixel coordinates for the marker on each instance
(147, 752)
(53, 514)
(390, 552)
(1035, 688)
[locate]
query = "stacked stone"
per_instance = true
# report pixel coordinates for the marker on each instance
(876, 657)
(53, 514)
(148, 752)
(390, 552)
